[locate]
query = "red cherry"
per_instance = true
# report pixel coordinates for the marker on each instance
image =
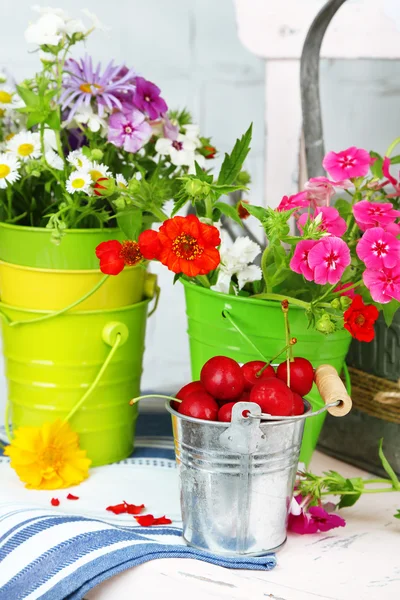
(223, 378)
(274, 397)
(301, 375)
(199, 405)
(193, 386)
(225, 412)
(245, 397)
(298, 405)
(250, 370)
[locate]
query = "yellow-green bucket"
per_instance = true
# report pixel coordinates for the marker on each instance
(51, 362)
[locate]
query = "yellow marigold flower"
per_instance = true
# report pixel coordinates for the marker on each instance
(48, 457)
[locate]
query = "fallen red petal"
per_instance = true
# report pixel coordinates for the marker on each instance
(162, 521)
(132, 509)
(117, 509)
(145, 520)
(55, 502)
(72, 497)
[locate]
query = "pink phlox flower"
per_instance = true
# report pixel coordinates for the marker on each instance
(342, 286)
(321, 189)
(328, 259)
(331, 221)
(298, 200)
(316, 519)
(374, 214)
(299, 262)
(384, 285)
(395, 182)
(393, 228)
(129, 129)
(378, 249)
(350, 163)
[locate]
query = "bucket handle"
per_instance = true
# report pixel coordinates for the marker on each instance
(114, 334)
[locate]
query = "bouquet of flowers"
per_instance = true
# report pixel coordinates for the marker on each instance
(342, 266)
(76, 135)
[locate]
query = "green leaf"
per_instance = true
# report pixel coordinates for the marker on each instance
(229, 211)
(35, 118)
(395, 160)
(177, 277)
(397, 515)
(233, 162)
(130, 221)
(348, 499)
(376, 167)
(389, 310)
(258, 212)
(389, 470)
(29, 97)
(53, 120)
(178, 205)
(344, 207)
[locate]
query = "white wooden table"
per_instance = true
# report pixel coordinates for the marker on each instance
(358, 562)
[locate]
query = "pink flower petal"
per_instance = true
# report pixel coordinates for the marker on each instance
(348, 164)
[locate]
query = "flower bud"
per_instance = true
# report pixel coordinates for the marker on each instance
(194, 187)
(335, 303)
(134, 186)
(243, 178)
(97, 154)
(325, 325)
(104, 187)
(345, 302)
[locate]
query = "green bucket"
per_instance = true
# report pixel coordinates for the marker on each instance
(33, 247)
(261, 321)
(51, 364)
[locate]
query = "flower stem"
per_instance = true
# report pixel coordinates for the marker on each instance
(392, 147)
(264, 259)
(279, 298)
(136, 400)
(209, 208)
(203, 280)
(157, 212)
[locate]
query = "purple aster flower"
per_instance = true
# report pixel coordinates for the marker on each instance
(147, 98)
(128, 129)
(84, 84)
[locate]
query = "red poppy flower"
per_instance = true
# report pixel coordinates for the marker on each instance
(189, 246)
(149, 520)
(209, 152)
(114, 256)
(55, 502)
(149, 244)
(242, 211)
(72, 497)
(359, 319)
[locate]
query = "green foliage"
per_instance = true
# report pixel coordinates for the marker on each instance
(229, 211)
(388, 468)
(233, 162)
(389, 310)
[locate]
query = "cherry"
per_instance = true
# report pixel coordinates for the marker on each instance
(301, 375)
(273, 396)
(250, 370)
(245, 397)
(193, 386)
(222, 378)
(199, 405)
(225, 412)
(298, 405)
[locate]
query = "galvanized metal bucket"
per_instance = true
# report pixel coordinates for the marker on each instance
(237, 479)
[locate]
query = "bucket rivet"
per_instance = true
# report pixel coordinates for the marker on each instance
(230, 438)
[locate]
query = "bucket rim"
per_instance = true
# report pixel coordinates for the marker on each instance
(97, 311)
(221, 424)
(94, 230)
(62, 271)
(241, 299)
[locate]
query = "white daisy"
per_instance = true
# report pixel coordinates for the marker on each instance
(8, 169)
(54, 160)
(97, 170)
(78, 160)
(9, 99)
(79, 181)
(25, 145)
(121, 181)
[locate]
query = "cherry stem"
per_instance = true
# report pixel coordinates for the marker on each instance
(135, 400)
(285, 310)
(261, 371)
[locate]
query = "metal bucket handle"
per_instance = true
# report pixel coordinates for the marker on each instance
(114, 334)
(151, 290)
(330, 386)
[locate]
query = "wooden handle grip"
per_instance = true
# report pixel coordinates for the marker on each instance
(332, 388)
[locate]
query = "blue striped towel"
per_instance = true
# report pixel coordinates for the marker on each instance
(54, 556)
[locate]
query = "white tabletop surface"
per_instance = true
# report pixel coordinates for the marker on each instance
(358, 562)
